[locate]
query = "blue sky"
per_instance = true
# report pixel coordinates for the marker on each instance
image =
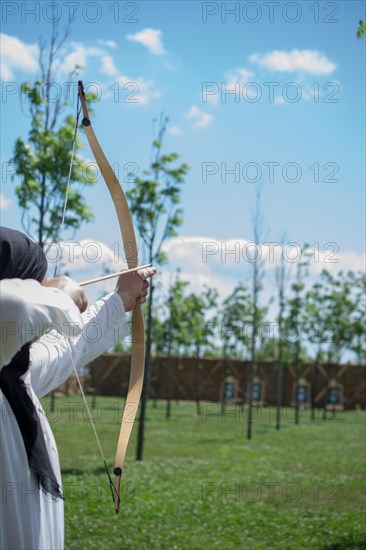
(172, 50)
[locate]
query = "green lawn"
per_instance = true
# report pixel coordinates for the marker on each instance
(202, 485)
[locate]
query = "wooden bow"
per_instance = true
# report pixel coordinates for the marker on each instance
(138, 329)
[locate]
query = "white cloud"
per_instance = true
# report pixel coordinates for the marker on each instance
(108, 66)
(186, 253)
(203, 261)
(211, 261)
(211, 98)
(214, 92)
(16, 55)
(308, 61)
(107, 43)
(88, 259)
(239, 78)
(175, 130)
(85, 255)
(187, 250)
(4, 202)
(343, 261)
(151, 38)
(240, 75)
(139, 91)
(198, 117)
(235, 257)
(79, 57)
(279, 100)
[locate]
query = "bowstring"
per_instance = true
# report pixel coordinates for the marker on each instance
(112, 486)
(78, 111)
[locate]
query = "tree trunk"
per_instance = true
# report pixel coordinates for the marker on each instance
(158, 365)
(279, 386)
(198, 381)
(252, 357)
(314, 376)
(169, 380)
(251, 379)
(145, 387)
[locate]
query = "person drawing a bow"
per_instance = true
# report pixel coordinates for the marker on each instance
(31, 365)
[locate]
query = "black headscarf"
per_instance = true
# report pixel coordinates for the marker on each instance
(22, 258)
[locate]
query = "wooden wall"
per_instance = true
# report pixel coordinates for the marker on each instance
(109, 375)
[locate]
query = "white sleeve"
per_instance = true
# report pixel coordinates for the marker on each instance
(54, 356)
(27, 310)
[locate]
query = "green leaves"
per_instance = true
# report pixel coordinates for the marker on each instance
(361, 29)
(335, 314)
(42, 166)
(236, 317)
(181, 319)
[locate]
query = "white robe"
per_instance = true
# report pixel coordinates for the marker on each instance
(29, 519)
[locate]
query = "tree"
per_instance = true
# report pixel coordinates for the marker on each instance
(236, 315)
(176, 333)
(358, 319)
(340, 311)
(257, 277)
(281, 276)
(197, 307)
(294, 322)
(154, 200)
(361, 29)
(317, 329)
(159, 343)
(42, 162)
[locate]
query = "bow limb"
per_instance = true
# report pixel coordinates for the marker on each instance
(138, 329)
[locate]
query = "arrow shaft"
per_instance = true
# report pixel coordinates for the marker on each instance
(112, 275)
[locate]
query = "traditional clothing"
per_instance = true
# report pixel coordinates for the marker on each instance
(31, 517)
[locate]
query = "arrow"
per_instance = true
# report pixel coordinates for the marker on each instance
(111, 275)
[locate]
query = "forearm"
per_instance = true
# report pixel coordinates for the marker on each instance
(27, 310)
(52, 362)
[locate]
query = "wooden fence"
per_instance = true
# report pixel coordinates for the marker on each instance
(211, 380)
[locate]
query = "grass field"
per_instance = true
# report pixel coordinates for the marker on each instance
(203, 485)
